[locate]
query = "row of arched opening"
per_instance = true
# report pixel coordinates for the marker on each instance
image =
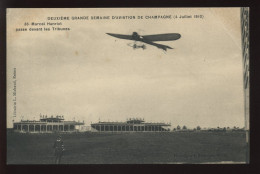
(127, 128)
(42, 128)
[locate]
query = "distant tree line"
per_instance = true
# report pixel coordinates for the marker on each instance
(217, 129)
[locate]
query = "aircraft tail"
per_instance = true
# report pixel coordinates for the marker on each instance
(165, 47)
(160, 46)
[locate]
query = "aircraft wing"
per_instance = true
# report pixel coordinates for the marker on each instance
(162, 37)
(121, 36)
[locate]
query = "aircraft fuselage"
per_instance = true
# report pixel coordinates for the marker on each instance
(137, 37)
(150, 39)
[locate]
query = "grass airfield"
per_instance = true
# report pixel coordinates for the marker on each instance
(129, 148)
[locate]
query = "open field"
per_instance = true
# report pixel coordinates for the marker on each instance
(128, 148)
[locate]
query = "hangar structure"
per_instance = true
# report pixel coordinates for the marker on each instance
(46, 124)
(131, 125)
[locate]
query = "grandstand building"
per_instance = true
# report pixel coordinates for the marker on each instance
(131, 125)
(46, 124)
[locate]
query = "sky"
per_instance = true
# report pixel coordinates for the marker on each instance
(88, 75)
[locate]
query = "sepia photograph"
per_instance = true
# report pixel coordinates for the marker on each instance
(127, 85)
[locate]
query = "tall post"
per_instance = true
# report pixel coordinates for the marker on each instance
(244, 12)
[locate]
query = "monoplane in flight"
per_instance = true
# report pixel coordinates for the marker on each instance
(148, 39)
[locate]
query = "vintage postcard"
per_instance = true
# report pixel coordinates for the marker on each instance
(127, 85)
